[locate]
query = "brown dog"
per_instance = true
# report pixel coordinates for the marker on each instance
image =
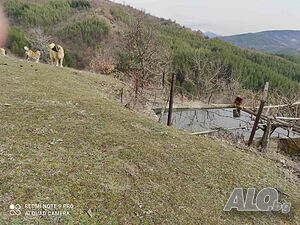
(57, 54)
(29, 54)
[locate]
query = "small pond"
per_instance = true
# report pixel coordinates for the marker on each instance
(210, 119)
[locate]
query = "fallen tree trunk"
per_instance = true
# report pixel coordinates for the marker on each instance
(217, 130)
(282, 106)
(287, 118)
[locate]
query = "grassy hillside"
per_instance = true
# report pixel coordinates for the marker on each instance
(64, 139)
(92, 31)
(280, 42)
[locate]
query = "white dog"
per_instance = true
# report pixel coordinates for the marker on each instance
(3, 51)
(57, 54)
(29, 54)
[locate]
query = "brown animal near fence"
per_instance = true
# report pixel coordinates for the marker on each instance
(30, 54)
(3, 52)
(57, 54)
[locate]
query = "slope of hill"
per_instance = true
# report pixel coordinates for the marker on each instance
(93, 31)
(65, 140)
(277, 41)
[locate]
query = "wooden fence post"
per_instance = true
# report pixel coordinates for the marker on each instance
(266, 137)
(121, 95)
(171, 100)
(260, 110)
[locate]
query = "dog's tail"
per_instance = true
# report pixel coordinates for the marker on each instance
(26, 48)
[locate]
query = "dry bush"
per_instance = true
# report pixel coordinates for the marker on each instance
(104, 60)
(40, 41)
(100, 66)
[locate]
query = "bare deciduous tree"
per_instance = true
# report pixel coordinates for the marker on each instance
(210, 75)
(149, 58)
(40, 41)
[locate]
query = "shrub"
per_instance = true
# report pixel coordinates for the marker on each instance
(72, 60)
(49, 14)
(190, 87)
(120, 15)
(16, 41)
(89, 31)
(102, 67)
(38, 14)
(16, 9)
(123, 60)
(80, 4)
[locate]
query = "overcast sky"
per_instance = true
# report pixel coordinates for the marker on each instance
(226, 17)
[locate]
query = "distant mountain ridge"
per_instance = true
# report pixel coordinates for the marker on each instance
(211, 34)
(276, 41)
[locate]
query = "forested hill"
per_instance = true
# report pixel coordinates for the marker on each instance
(92, 33)
(277, 41)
